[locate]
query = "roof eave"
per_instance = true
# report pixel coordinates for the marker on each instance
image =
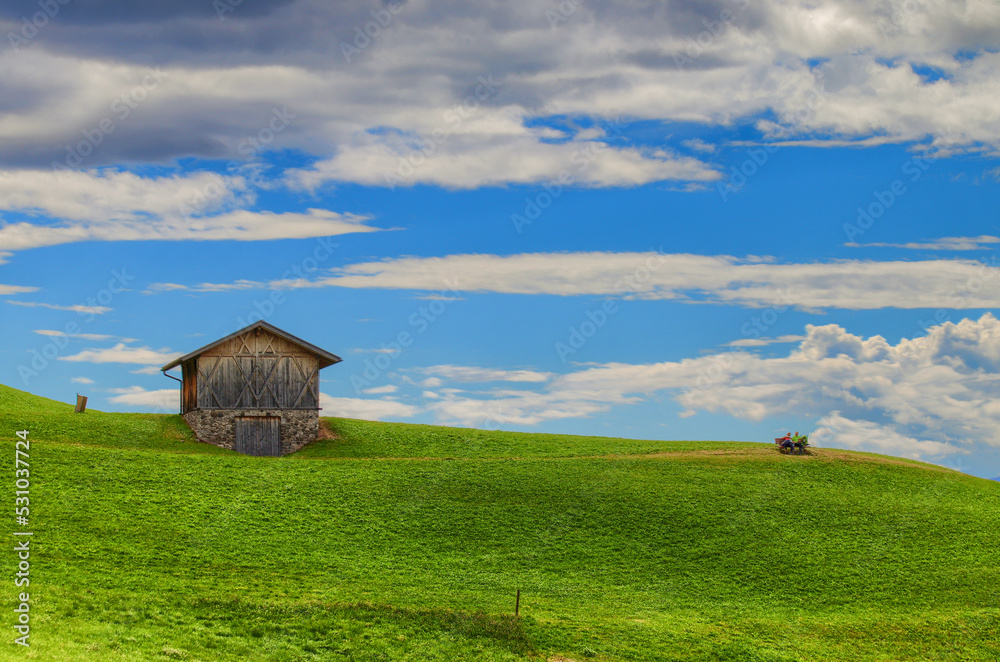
(324, 356)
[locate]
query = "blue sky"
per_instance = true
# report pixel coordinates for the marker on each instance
(660, 220)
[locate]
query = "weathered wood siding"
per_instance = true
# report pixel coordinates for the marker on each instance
(257, 370)
(258, 435)
(189, 386)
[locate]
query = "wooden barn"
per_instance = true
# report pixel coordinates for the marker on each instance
(255, 391)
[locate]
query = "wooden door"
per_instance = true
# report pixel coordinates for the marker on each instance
(258, 435)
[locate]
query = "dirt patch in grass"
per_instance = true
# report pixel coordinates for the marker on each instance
(325, 432)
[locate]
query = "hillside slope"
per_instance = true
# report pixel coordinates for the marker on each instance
(402, 542)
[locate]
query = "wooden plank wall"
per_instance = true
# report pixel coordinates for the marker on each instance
(258, 435)
(189, 386)
(258, 371)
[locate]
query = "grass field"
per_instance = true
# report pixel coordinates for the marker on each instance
(408, 542)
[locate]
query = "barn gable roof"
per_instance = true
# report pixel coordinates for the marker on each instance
(325, 357)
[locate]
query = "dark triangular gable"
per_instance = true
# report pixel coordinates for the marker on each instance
(324, 357)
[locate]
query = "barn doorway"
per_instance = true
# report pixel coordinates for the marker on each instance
(258, 435)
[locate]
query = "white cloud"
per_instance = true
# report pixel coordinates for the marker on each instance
(167, 399)
(14, 289)
(121, 206)
(763, 342)
(926, 397)
(496, 159)
(458, 373)
(437, 297)
(82, 380)
(380, 390)
(83, 310)
(835, 430)
(473, 78)
(93, 203)
(367, 409)
(522, 407)
(120, 353)
(982, 242)
(720, 279)
(166, 287)
(82, 336)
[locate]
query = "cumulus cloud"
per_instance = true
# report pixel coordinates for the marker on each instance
(834, 71)
(835, 430)
(926, 397)
(720, 279)
(365, 408)
(82, 380)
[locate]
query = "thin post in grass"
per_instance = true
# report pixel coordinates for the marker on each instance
(517, 604)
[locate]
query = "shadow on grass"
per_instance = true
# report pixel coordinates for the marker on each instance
(504, 631)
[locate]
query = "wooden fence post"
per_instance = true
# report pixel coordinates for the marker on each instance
(81, 403)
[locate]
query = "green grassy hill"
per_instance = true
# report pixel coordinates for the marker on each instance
(408, 542)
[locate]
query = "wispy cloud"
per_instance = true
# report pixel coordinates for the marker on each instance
(167, 399)
(458, 373)
(982, 242)
(121, 206)
(14, 289)
(121, 353)
(88, 310)
(381, 390)
(763, 342)
(367, 409)
(82, 336)
(695, 279)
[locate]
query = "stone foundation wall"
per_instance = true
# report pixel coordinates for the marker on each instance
(217, 427)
